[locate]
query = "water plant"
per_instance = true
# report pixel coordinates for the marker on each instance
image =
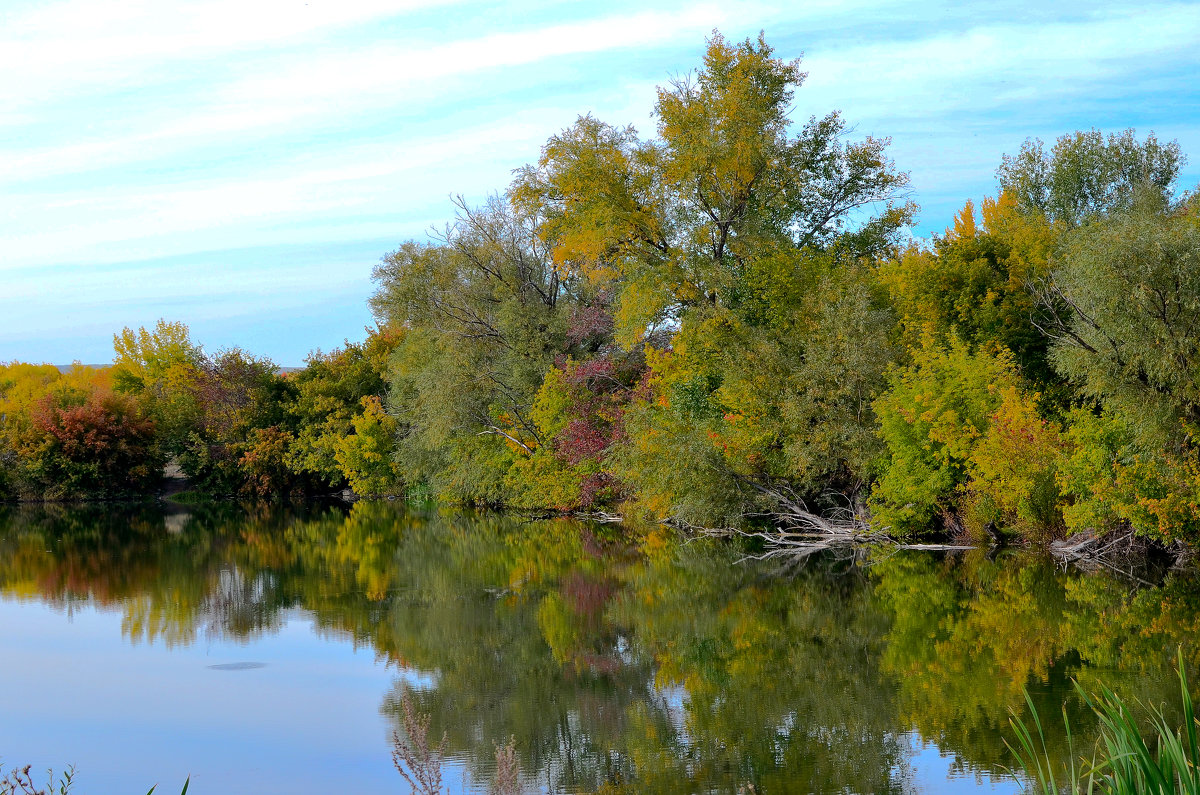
(1124, 761)
(19, 781)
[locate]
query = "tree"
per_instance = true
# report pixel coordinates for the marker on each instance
(1086, 175)
(55, 427)
(238, 397)
(684, 219)
(142, 358)
(486, 314)
(1119, 477)
(950, 417)
(365, 458)
(161, 369)
(331, 395)
(102, 446)
(727, 236)
(976, 283)
(1126, 300)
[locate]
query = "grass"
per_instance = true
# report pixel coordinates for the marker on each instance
(1123, 762)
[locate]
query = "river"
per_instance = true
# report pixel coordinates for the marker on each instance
(264, 650)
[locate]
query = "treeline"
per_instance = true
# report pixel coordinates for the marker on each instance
(233, 423)
(728, 320)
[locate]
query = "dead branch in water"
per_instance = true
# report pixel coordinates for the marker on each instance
(603, 517)
(1116, 551)
(798, 532)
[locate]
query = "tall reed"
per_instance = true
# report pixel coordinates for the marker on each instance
(1123, 761)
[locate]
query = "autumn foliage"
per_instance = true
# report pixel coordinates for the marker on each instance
(706, 323)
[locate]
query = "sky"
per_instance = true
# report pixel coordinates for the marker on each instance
(242, 165)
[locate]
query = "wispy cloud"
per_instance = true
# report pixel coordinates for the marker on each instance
(73, 46)
(1003, 64)
(138, 132)
(339, 82)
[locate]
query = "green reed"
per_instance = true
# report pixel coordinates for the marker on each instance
(1123, 761)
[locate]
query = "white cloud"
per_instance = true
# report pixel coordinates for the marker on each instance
(384, 177)
(1000, 64)
(150, 128)
(387, 70)
(312, 88)
(78, 44)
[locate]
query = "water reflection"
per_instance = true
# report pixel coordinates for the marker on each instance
(633, 663)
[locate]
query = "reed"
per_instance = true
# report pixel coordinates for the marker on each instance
(1123, 761)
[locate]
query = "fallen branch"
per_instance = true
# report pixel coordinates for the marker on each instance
(602, 517)
(1114, 551)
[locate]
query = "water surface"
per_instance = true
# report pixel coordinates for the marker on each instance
(263, 650)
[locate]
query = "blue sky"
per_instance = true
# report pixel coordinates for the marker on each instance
(242, 166)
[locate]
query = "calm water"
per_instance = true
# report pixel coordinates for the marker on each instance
(267, 651)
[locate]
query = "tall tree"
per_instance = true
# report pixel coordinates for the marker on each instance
(1128, 332)
(486, 313)
(734, 238)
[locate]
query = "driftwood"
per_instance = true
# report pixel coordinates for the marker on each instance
(599, 516)
(1116, 551)
(798, 532)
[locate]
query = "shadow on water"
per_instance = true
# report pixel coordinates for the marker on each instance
(631, 662)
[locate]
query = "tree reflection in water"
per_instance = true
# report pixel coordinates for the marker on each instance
(624, 661)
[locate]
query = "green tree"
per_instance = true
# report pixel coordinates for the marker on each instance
(161, 368)
(1129, 288)
(728, 237)
(487, 314)
(1119, 476)
(976, 283)
(239, 397)
(329, 400)
(1086, 175)
(685, 219)
(953, 418)
(365, 457)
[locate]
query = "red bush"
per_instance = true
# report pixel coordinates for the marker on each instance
(103, 446)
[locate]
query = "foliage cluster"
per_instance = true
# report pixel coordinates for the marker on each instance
(233, 423)
(727, 317)
(70, 435)
(724, 320)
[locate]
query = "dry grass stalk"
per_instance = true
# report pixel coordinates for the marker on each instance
(508, 770)
(419, 763)
(18, 781)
